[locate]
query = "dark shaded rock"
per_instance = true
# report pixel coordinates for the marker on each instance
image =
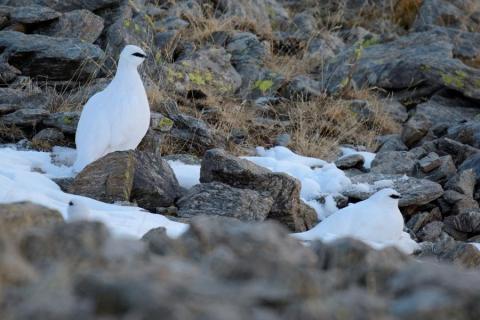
(431, 231)
(8, 73)
(64, 5)
(458, 253)
(65, 121)
(77, 24)
(222, 200)
(302, 88)
(107, 179)
(419, 220)
(25, 117)
(459, 151)
(394, 162)
(395, 110)
(55, 58)
(468, 222)
(18, 217)
(454, 14)
(219, 166)
(154, 182)
(48, 138)
(350, 161)
(414, 191)
(415, 129)
(32, 14)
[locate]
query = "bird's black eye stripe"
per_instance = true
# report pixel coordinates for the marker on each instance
(394, 196)
(138, 54)
(70, 203)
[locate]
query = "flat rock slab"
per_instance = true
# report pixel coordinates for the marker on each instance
(65, 5)
(414, 191)
(55, 58)
(219, 199)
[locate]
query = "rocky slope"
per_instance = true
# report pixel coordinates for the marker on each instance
(232, 75)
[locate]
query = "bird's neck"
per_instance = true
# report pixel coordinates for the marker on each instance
(126, 75)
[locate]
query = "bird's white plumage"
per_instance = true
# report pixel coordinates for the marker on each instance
(116, 118)
(377, 221)
(78, 211)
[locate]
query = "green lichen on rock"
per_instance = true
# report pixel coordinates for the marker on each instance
(200, 78)
(173, 75)
(67, 120)
(456, 80)
(263, 85)
(127, 23)
(165, 124)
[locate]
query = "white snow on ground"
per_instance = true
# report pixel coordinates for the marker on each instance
(368, 156)
(26, 176)
(187, 175)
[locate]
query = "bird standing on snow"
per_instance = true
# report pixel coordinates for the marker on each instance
(376, 219)
(77, 211)
(116, 118)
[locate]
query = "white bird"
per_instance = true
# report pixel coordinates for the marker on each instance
(77, 211)
(116, 118)
(375, 220)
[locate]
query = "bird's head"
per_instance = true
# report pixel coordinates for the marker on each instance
(387, 194)
(132, 55)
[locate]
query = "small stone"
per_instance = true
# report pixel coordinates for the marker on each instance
(463, 182)
(160, 122)
(431, 231)
(430, 162)
(47, 138)
(282, 140)
(415, 129)
(350, 161)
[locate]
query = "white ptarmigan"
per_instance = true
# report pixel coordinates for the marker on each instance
(77, 211)
(116, 118)
(376, 221)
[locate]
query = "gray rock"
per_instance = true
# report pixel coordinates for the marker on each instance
(472, 162)
(415, 129)
(455, 252)
(419, 220)
(222, 200)
(410, 60)
(466, 133)
(154, 182)
(48, 138)
(442, 173)
(467, 222)
(459, 151)
(160, 123)
(107, 179)
(414, 191)
(77, 24)
(443, 13)
(302, 88)
(207, 72)
(350, 161)
(391, 142)
(463, 182)
(394, 162)
(64, 5)
(8, 73)
(430, 162)
(445, 110)
(65, 121)
(32, 14)
(55, 58)
(219, 166)
(395, 110)
(25, 117)
(431, 231)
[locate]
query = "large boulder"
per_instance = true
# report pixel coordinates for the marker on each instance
(219, 199)
(403, 63)
(219, 166)
(64, 5)
(56, 58)
(129, 176)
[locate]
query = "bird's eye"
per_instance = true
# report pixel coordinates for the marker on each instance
(395, 196)
(70, 203)
(138, 54)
